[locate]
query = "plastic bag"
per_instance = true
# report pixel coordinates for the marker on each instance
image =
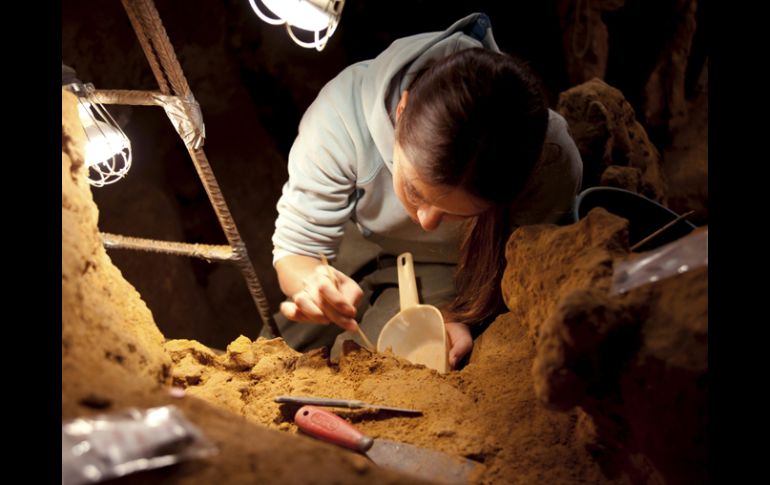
(112, 445)
(682, 255)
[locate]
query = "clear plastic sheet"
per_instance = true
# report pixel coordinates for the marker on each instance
(682, 255)
(101, 447)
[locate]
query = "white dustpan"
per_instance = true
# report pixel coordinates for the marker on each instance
(417, 333)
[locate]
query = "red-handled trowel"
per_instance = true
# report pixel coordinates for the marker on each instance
(421, 462)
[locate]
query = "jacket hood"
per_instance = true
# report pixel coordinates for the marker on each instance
(390, 73)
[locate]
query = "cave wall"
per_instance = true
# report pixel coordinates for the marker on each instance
(110, 344)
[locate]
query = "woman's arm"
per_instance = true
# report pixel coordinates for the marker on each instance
(318, 295)
(316, 202)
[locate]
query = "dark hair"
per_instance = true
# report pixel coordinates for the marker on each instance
(476, 120)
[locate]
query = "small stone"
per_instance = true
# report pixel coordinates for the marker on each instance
(176, 392)
(360, 464)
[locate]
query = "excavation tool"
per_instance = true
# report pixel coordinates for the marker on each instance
(420, 462)
(416, 333)
(330, 272)
(340, 403)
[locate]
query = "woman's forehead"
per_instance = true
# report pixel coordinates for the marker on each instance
(452, 200)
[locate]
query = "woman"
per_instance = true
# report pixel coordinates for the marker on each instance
(440, 146)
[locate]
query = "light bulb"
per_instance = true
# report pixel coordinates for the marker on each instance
(314, 16)
(104, 141)
(299, 13)
(108, 149)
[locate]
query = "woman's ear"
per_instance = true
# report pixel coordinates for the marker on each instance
(401, 104)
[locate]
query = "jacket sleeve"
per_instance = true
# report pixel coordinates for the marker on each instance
(317, 199)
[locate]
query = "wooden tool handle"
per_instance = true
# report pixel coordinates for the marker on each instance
(407, 284)
(641, 243)
(327, 426)
(329, 271)
(369, 345)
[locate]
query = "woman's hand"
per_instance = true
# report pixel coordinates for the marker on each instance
(327, 295)
(460, 342)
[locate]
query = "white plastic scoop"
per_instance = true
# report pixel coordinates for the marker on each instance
(417, 333)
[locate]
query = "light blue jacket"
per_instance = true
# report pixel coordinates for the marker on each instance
(340, 166)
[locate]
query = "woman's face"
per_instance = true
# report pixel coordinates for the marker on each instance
(429, 204)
